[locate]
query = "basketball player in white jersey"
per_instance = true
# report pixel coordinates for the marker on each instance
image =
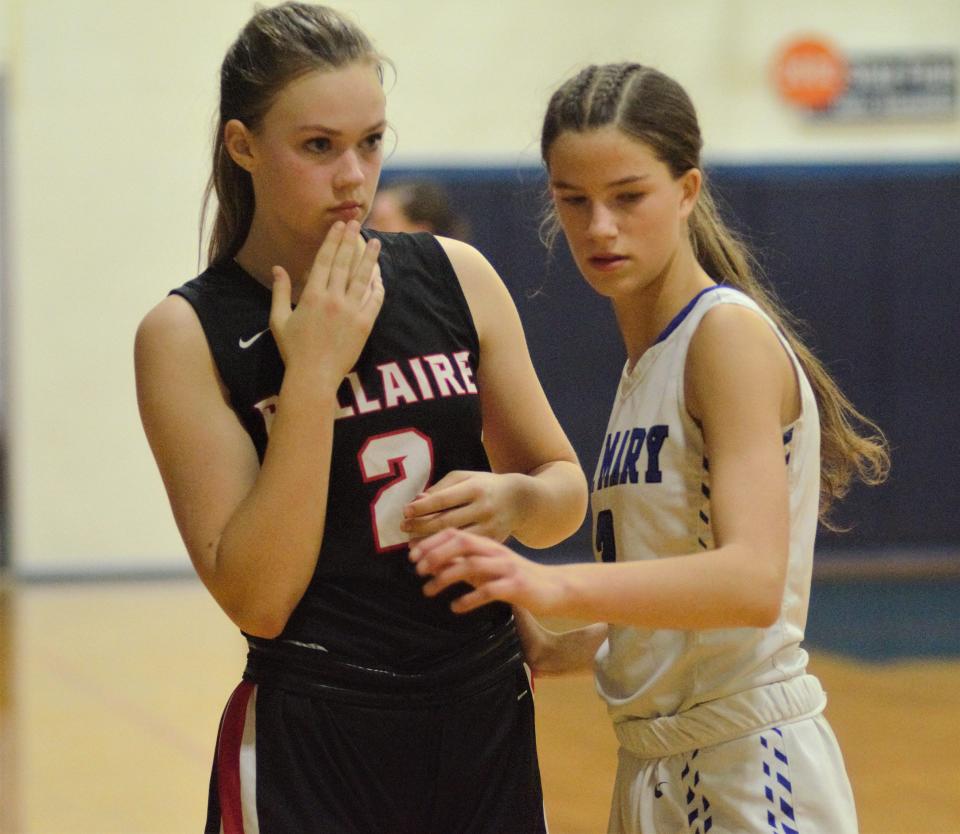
(714, 470)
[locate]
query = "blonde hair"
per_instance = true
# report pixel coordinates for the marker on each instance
(654, 109)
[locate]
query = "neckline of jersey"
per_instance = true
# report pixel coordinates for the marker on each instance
(236, 266)
(677, 320)
(632, 376)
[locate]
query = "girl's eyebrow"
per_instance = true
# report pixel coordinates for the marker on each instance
(381, 125)
(614, 184)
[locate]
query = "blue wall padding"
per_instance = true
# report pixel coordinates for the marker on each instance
(867, 255)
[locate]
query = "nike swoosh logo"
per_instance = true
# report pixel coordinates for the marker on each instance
(245, 343)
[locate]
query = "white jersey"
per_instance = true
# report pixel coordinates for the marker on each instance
(651, 500)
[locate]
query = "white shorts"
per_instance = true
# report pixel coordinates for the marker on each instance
(786, 778)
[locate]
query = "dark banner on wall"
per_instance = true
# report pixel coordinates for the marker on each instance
(866, 255)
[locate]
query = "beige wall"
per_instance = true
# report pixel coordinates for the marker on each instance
(110, 105)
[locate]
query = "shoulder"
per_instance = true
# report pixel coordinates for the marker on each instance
(474, 271)
(171, 326)
(461, 253)
(486, 294)
(735, 351)
(416, 254)
(731, 321)
(468, 264)
(406, 248)
(172, 359)
(213, 279)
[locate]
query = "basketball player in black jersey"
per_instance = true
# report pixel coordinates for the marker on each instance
(317, 398)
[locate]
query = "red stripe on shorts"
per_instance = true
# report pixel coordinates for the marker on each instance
(228, 759)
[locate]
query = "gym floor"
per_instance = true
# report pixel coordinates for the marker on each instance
(111, 692)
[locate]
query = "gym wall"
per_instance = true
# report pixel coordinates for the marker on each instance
(109, 108)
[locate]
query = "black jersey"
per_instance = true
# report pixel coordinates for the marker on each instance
(409, 414)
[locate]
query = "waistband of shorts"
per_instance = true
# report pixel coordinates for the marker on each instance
(313, 671)
(725, 719)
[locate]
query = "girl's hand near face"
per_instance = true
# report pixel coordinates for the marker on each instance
(336, 309)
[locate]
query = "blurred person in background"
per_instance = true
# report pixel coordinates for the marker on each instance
(415, 205)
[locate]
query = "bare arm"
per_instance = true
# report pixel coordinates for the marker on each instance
(549, 653)
(538, 493)
(253, 533)
(742, 387)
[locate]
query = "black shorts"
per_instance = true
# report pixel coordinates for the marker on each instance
(461, 760)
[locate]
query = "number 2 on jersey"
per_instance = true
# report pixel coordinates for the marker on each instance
(405, 456)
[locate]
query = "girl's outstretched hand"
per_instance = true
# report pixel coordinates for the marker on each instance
(337, 307)
(494, 571)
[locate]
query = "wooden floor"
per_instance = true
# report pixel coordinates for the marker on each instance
(110, 696)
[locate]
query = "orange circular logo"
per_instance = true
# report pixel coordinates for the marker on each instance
(809, 72)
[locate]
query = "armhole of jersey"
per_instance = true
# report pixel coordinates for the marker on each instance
(799, 375)
(741, 299)
(192, 297)
(695, 316)
(187, 293)
(434, 252)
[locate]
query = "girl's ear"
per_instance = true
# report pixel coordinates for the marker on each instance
(690, 184)
(238, 141)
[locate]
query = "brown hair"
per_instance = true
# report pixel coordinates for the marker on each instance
(654, 109)
(276, 46)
